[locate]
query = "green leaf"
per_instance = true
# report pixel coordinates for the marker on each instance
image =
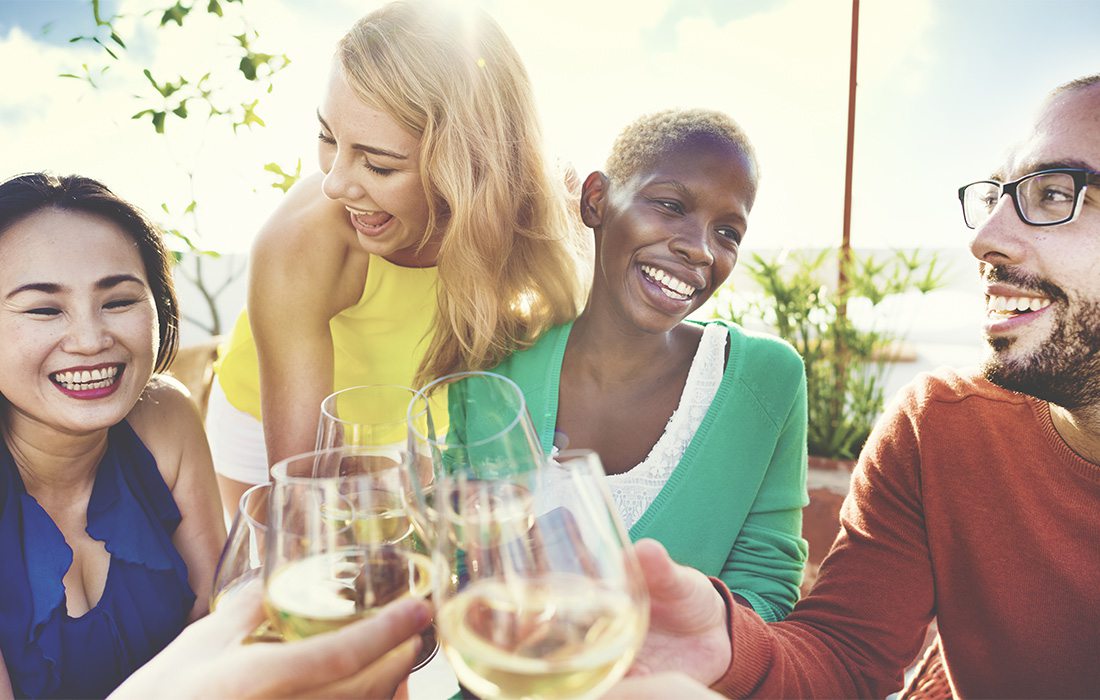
(118, 40)
(191, 207)
(286, 180)
(176, 233)
(176, 13)
(251, 62)
(247, 69)
(105, 48)
(215, 7)
(181, 111)
(148, 74)
(250, 117)
(158, 122)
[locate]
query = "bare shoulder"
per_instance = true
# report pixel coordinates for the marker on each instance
(167, 421)
(306, 252)
(306, 228)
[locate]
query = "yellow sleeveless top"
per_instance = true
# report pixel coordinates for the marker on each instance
(379, 340)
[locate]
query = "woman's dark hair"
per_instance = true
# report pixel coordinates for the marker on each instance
(26, 194)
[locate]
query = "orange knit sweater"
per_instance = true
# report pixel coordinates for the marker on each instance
(966, 506)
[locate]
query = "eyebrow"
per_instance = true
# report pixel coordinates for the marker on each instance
(373, 150)
(686, 193)
(1033, 167)
(54, 288)
(674, 184)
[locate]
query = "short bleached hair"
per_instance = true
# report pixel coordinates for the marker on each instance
(1077, 84)
(649, 136)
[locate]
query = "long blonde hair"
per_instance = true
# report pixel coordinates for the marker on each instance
(511, 252)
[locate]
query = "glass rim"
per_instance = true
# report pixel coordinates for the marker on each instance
(324, 403)
(241, 511)
(423, 394)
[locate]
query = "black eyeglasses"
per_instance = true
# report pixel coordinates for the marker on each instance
(1043, 198)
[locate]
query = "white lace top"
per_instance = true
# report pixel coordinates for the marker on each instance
(634, 490)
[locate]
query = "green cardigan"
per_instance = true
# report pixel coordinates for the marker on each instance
(732, 508)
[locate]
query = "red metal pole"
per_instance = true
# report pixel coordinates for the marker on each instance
(839, 343)
(845, 244)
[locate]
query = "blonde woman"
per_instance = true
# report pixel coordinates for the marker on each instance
(434, 239)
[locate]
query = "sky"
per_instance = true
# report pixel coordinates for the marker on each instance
(945, 87)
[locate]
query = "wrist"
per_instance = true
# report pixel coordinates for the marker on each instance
(724, 603)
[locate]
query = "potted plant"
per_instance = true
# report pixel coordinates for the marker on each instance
(832, 309)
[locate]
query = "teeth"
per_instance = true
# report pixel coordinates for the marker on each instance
(682, 289)
(1009, 305)
(83, 380)
(363, 212)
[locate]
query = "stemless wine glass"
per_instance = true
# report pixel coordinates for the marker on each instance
(553, 603)
(341, 543)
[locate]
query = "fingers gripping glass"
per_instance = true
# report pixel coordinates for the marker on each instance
(1043, 198)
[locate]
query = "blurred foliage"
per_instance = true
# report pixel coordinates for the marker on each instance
(229, 92)
(797, 297)
(220, 93)
(285, 180)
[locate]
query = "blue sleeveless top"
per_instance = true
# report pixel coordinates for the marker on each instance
(146, 598)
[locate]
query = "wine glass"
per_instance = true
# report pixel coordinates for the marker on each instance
(241, 560)
(552, 603)
(474, 422)
(371, 416)
(342, 542)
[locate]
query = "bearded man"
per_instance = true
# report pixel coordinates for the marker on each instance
(976, 500)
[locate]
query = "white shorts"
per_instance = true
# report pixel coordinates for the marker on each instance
(236, 440)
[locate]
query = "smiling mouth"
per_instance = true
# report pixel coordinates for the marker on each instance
(369, 219)
(88, 380)
(1001, 307)
(673, 288)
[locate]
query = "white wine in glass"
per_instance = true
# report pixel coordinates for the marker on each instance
(342, 541)
(551, 603)
(323, 592)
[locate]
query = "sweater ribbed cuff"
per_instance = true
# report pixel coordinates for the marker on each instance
(750, 649)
